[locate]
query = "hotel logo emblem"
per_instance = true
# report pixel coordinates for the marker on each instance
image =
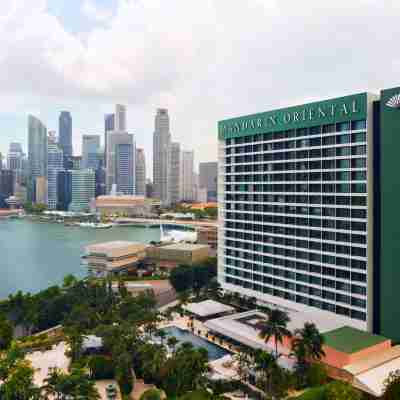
(394, 101)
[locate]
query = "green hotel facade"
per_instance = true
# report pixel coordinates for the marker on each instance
(309, 208)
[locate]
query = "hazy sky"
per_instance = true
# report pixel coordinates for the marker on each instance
(203, 60)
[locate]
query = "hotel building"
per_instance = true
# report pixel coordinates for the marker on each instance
(308, 207)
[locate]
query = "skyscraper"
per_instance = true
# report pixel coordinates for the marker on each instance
(120, 118)
(90, 149)
(54, 165)
(175, 173)
(6, 185)
(121, 154)
(140, 172)
(109, 126)
(64, 190)
(187, 176)
(208, 179)
(15, 156)
(65, 135)
(37, 154)
(161, 155)
(83, 189)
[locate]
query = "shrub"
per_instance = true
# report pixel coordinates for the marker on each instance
(151, 394)
(316, 375)
(101, 367)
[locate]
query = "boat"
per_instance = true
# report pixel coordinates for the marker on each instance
(95, 225)
(177, 236)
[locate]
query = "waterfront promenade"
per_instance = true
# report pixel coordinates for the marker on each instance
(156, 222)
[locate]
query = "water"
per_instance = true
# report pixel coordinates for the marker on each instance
(36, 255)
(214, 351)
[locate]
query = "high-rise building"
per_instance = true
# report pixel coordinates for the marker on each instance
(149, 189)
(109, 126)
(161, 155)
(120, 118)
(140, 172)
(37, 154)
(64, 190)
(175, 173)
(90, 150)
(41, 190)
(1, 161)
(6, 186)
(55, 161)
(308, 208)
(121, 154)
(15, 162)
(83, 189)
(65, 135)
(100, 177)
(208, 179)
(187, 176)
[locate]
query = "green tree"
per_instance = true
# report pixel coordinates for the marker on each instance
(6, 333)
(307, 346)
(16, 375)
(243, 364)
(271, 378)
(151, 394)
(77, 385)
(341, 391)
(392, 386)
(185, 370)
(275, 327)
(172, 342)
(74, 339)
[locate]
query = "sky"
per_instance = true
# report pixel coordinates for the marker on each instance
(203, 60)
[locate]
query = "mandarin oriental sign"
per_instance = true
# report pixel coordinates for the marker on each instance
(312, 114)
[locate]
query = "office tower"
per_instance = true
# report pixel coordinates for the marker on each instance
(187, 176)
(15, 159)
(1, 161)
(100, 178)
(90, 150)
(140, 172)
(83, 189)
(161, 155)
(55, 161)
(65, 135)
(120, 118)
(64, 190)
(208, 179)
(15, 156)
(37, 154)
(149, 189)
(175, 173)
(109, 126)
(75, 162)
(121, 154)
(6, 186)
(308, 208)
(41, 190)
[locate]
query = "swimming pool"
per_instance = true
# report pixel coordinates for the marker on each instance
(214, 351)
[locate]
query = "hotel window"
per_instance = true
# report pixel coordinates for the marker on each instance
(357, 125)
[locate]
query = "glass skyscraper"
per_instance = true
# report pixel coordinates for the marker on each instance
(37, 154)
(65, 135)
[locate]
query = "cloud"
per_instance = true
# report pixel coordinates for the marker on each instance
(95, 12)
(204, 60)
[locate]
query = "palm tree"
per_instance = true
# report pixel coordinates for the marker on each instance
(275, 326)
(172, 343)
(265, 365)
(309, 342)
(307, 346)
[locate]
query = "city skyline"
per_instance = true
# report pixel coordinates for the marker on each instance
(78, 81)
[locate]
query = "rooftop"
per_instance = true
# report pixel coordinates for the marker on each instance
(185, 246)
(350, 340)
(115, 249)
(207, 307)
